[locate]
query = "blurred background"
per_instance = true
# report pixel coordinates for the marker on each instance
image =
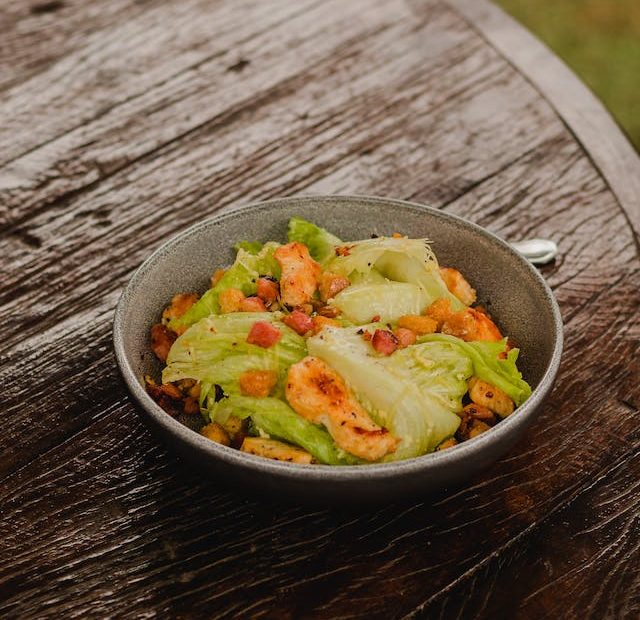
(600, 41)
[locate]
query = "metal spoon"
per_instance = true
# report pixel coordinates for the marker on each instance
(538, 251)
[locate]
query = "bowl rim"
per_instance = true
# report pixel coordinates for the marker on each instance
(231, 456)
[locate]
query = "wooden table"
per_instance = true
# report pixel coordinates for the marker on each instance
(125, 121)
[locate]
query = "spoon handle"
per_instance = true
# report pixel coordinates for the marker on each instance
(538, 251)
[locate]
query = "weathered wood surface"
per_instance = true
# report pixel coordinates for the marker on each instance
(124, 122)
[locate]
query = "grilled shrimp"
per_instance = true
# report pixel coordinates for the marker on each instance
(468, 324)
(318, 393)
(300, 274)
(458, 285)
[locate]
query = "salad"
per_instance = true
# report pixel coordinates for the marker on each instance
(335, 352)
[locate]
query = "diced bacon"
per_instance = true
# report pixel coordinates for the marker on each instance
(406, 337)
(257, 383)
(161, 340)
(299, 322)
(252, 304)
(230, 300)
(331, 284)
(384, 341)
(267, 290)
(264, 334)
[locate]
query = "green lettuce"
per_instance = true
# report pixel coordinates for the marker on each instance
(275, 418)
(390, 300)
(253, 247)
(415, 393)
(321, 243)
(399, 259)
(215, 351)
(488, 366)
(242, 275)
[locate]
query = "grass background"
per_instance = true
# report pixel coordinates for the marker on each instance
(600, 41)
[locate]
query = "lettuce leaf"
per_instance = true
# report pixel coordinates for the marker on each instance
(399, 259)
(389, 300)
(243, 275)
(253, 247)
(488, 366)
(415, 393)
(215, 351)
(275, 418)
(321, 243)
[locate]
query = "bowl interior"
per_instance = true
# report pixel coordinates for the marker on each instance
(507, 285)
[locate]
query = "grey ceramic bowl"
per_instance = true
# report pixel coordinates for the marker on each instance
(507, 284)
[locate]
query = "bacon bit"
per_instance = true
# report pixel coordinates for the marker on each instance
(252, 304)
(161, 340)
(264, 334)
(267, 290)
(384, 342)
(179, 305)
(299, 322)
(257, 383)
(343, 251)
(230, 300)
(418, 323)
(217, 276)
(397, 235)
(319, 322)
(331, 312)
(406, 337)
(375, 318)
(331, 284)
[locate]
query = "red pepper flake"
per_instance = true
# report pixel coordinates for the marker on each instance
(384, 342)
(264, 334)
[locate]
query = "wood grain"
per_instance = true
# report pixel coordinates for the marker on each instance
(129, 121)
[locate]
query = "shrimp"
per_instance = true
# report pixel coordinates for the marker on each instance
(468, 324)
(316, 392)
(300, 273)
(458, 285)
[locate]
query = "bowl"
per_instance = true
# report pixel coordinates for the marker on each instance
(512, 289)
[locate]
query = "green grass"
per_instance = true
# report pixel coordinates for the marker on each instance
(600, 41)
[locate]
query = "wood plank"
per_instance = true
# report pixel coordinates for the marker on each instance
(585, 115)
(35, 35)
(154, 508)
(61, 141)
(216, 169)
(581, 565)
